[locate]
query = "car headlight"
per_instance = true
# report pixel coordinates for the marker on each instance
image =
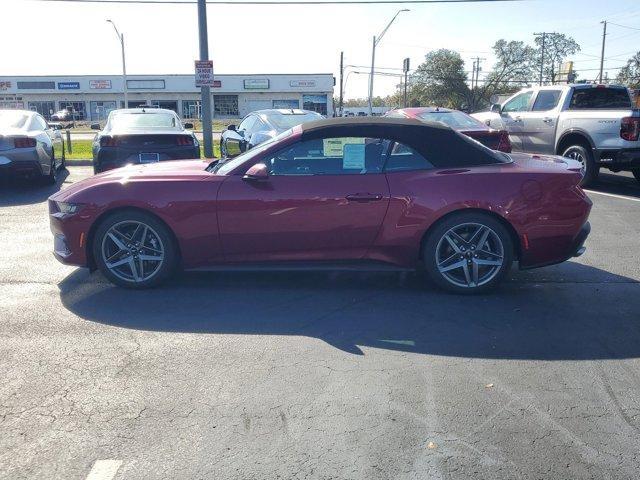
(68, 208)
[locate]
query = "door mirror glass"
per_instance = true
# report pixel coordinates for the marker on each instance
(188, 126)
(232, 128)
(496, 108)
(257, 172)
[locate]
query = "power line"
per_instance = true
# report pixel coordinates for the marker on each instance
(624, 26)
(276, 2)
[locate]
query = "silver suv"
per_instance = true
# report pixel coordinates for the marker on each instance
(595, 124)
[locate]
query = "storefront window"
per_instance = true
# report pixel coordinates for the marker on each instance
(191, 109)
(100, 110)
(78, 109)
(225, 105)
(46, 109)
(168, 104)
(315, 103)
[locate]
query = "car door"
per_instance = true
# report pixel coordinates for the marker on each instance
(539, 124)
(236, 140)
(511, 116)
(324, 199)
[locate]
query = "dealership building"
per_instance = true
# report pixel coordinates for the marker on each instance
(92, 97)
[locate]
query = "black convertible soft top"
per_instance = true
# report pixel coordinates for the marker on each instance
(441, 145)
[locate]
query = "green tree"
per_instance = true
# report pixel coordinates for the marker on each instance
(629, 75)
(557, 47)
(440, 80)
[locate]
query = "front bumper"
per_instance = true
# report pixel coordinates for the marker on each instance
(622, 159)
(69, 236)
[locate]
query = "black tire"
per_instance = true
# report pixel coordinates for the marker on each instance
(156, 228)
(489, 276)
(636, 173)
(580, 152)
(52, 177)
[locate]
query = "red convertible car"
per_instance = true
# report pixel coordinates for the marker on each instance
(356, 194)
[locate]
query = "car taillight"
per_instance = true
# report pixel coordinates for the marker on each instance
(184, 140)
(630, 128)
(504, 144)
(109, 142)
(24, 142)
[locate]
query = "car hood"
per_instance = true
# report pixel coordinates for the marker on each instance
(171, 171)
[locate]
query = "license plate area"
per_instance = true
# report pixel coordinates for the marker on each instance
(149, 157)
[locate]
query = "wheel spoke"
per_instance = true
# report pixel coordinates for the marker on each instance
(453, 266)
(117, 241)
(453, 244)
(474, 270)
(134, 269)
(151, 258)
(467, 275)
(490, 254)
(480, 261)
(119, 262)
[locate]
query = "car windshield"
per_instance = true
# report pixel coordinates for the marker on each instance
(223, 167)
(122, 121)
(12, 119)
(456, 120)
(285, 121)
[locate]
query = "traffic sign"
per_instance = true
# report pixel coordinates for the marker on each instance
(204, 73)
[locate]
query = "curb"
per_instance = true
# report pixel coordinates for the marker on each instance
(78, 163)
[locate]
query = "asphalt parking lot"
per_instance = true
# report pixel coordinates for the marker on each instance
(345, 376)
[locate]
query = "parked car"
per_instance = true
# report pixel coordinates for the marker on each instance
(29, 147)
(260, 126)
(371, 193)
(142, 135)
(460, 121)
(594, 124)
(64, 115)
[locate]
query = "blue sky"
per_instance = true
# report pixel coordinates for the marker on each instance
(300, 39)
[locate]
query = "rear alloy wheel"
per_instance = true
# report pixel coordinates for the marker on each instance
(468, 253)
(52, 178)
(134, 250)
(583, 155)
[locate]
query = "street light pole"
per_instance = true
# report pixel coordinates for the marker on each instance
(207, 134)
(376, 41)
(124, 63)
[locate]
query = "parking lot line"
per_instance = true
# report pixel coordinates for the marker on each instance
(623, 197)
(104, 469)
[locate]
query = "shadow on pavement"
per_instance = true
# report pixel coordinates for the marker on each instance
(618, 184)
(14, 192)
(578, 313)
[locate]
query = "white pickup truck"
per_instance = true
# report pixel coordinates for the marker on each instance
(594, 124)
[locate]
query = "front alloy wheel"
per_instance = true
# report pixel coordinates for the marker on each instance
(468, 253)
(134, 250)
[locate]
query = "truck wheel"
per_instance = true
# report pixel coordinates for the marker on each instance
(585, 157)
(636, 173)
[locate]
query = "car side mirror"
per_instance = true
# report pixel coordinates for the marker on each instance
(188, 126)
(258, 172)
(496, 108)
(95, 126)
(232, 128)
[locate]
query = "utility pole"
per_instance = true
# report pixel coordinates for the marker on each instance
(604, 36)
(376, 41)
(341, 82)
(473, 93)
(207, 134)
(405, 67)
(124, 63)
(544, 38)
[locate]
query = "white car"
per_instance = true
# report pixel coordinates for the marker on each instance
(29, 147)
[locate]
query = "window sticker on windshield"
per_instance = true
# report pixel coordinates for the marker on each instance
(353, 156)
(333, 147)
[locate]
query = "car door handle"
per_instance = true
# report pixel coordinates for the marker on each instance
(518, 120)
(363, 197)
(547, 120)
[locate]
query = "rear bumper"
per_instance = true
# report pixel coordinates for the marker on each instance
(621, 159)
(20, 164)
(575, 249)
(110, 158)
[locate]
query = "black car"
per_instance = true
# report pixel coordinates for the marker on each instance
(260, 126)
(142, 135)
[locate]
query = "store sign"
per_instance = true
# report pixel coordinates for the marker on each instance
(5, 85)
(217, 84)
(204, 73)
(100, 84)
(256, 84)
(68, 85)
(302, 83)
